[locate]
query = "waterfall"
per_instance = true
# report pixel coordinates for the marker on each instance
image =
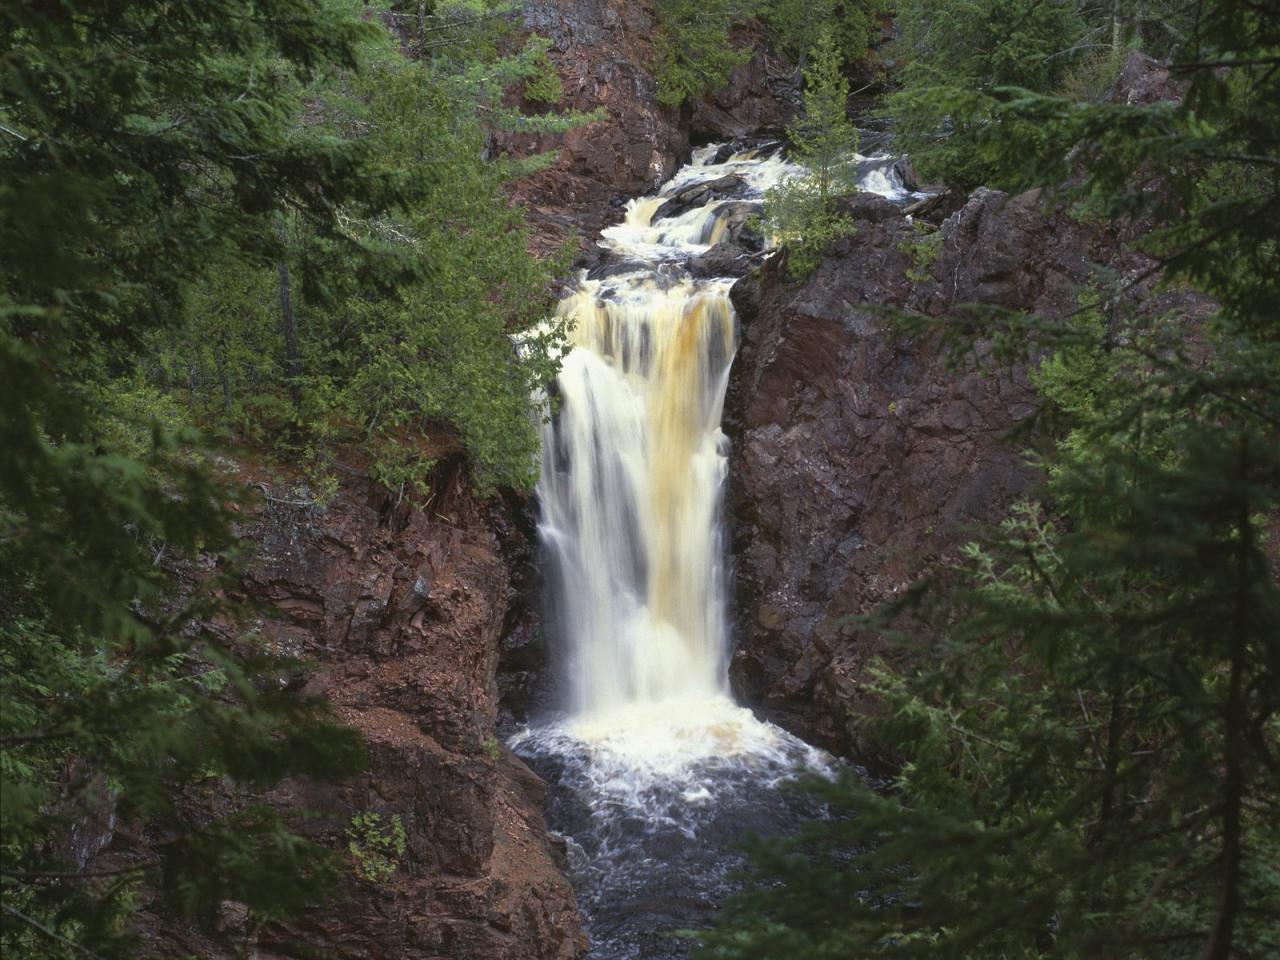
(630, 492)
(651, 752)
(634, 461)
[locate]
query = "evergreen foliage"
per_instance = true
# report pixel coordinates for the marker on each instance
(379, 372)
(696, 55)
(796, 27)
(1093, 750)
(964, 59)
(960, 55)
(802, 210)
(245, 213)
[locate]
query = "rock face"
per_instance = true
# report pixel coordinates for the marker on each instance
(604, 52)
(402, 611)
(860, 460)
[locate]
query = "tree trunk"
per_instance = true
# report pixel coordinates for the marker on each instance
(1222, 934)
(293, 362)
(220, 355)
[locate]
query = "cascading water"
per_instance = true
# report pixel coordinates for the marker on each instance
(656, 774)
(629, 492)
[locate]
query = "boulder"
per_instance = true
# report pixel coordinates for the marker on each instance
(695, 195)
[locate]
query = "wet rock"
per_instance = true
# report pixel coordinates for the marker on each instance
(745, 296)
(761, 96)
(766, 148)
(724, 260)
(604, 53)
(860, 460)
(906, 172)
(869, 207)
(940, 204)
(742, 227)
(616, 268)
(695, 195)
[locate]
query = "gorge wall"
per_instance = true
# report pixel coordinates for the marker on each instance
(604, 52)
(398, 611)
(861, 460)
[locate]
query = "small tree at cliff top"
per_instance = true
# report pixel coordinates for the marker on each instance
(801, 210)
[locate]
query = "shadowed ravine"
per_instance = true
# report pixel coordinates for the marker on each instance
(656, 774)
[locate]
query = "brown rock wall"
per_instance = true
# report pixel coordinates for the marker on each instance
(604, 51)
(861, 460)
(400, 612)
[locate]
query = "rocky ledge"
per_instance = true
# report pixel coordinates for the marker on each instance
(604, 52)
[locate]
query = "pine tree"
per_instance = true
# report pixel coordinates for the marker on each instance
(796, 25)
(801, 211)
(255, 214)
(960, 57)
(382, 375)
(695, 55)
(139, 143)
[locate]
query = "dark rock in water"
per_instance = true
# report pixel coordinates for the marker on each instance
(615, 268)
(906, 171)
(867, 165)
(729, 150)
(873, 138)
(742, 226)
(765, 149)
(695, 195)
(869, 206)
(724, 260)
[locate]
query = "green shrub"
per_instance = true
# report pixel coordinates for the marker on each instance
(695, 55)
(924, 253)
(543, 84)
(375, 849)
(801, 210)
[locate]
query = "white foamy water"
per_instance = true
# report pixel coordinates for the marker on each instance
(674, 751)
